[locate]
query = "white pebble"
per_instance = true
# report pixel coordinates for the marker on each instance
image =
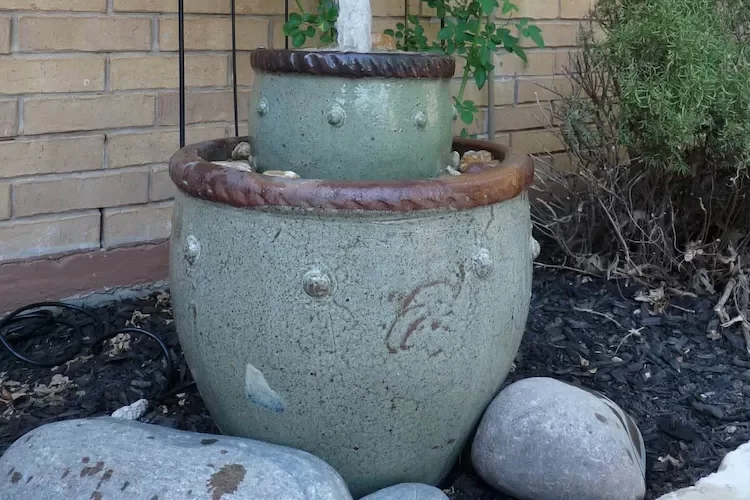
(455, 160)
(288, 174)
(238, 165)
(133, 411)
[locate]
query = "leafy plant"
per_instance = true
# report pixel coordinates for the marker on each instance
(682, 75)
(469, 32)
(658, 128)
(304, 25)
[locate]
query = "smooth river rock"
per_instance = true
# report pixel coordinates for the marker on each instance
(543, 439)
(730, 482)
(408, 491)
(117, 459)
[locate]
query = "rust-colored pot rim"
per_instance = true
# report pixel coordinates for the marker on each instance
(353, 64)
(192, 172)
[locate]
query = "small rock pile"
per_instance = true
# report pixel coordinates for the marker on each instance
(242, 159)
(471, 162)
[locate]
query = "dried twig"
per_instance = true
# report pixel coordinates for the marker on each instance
(633, 331)
(720, 306)
(597, 313)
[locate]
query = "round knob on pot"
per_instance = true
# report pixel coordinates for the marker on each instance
(317, 283)
(483, 264)
(263, 106)
(192, 249)
(335, 115)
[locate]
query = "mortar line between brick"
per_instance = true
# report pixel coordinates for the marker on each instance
(126, 92)
(110, 6)
(19, 116)
(73, 54)
(105, 153)
(101, 228)
(107, 73)
(148, 184)
(12, 201)
(155, 34)
(14, 34)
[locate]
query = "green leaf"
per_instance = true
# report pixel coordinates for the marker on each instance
(517, 50)
(445, 33)
(488, 6)
(294, 19)
(484, 56)
(298, 40)
(388, 32)
(310, 31)
(467, 116)
(464, 133)
(480, 77)
(509, 7)
(535, 33)
(470, 105)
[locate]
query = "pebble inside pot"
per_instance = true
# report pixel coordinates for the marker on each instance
(366, 320)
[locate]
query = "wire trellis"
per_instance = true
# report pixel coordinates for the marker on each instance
(233, 17)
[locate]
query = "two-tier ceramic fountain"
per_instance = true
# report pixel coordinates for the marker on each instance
(368, 311)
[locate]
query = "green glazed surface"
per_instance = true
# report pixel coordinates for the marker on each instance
(351, 129)
(373, 340)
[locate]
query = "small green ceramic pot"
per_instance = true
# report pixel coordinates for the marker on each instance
(351, 116)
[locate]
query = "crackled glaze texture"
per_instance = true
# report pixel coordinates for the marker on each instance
(323, 115)
(372, 338)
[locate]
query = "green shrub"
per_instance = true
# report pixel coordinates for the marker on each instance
(658, 128)
(681, 75)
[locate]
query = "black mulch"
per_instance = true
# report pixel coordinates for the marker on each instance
(684, 387)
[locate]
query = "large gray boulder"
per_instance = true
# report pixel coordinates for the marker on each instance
(543, 439)
(408, 491)
(116, 459)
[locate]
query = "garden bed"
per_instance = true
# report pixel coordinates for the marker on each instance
(683, 384)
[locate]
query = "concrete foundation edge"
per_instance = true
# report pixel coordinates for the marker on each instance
(86, 278)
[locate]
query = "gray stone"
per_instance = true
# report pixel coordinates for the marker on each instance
(543, 439)
(408, 491)
(242, 151)
(116, 459)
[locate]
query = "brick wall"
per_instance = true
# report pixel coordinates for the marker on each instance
(89, 107)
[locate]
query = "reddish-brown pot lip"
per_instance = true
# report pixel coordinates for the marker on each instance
(354, 64)
(193, 173)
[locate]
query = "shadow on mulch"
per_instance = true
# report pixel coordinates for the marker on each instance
(685, 391)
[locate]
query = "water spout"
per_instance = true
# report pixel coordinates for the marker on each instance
(354, 25)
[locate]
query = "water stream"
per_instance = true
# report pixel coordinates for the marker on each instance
(354, 25)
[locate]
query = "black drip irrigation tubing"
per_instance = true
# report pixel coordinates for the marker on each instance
(27, 323)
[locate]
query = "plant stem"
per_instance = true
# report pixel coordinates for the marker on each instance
(465, 78)
(464, 81)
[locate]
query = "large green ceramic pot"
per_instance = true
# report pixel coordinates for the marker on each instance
(368, 323)
(351, 116)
